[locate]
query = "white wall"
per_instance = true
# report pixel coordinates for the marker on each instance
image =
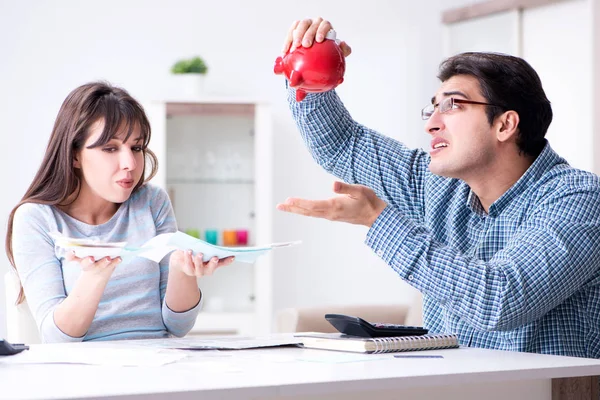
(557, 41)
(49, 48)
(499, 32)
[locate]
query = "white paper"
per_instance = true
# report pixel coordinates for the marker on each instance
(159, 246)
(224, 343)
(88, 247)
(114, 357)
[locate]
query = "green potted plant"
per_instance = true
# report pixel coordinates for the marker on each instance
(190, 73)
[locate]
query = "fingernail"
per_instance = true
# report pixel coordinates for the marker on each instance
(306, 43)
(319, 37)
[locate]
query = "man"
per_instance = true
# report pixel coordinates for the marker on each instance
(497, 231)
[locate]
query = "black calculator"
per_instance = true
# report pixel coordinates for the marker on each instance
(7, 349)
(355, 326)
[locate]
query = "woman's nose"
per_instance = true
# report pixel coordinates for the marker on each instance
(128, 161)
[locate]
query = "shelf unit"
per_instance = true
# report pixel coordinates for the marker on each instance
(215, 161)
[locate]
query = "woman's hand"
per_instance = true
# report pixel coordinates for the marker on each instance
(102, 268)
(305, 32)
(191, 265)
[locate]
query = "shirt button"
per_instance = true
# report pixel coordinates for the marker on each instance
(380, 253)
(410, 277)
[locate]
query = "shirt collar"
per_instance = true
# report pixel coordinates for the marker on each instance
(542, 164)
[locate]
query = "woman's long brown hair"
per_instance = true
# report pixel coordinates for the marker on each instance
(56, 181)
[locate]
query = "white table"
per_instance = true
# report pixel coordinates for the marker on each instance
(275, 373)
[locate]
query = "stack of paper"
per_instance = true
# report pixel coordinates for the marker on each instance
(159, 246)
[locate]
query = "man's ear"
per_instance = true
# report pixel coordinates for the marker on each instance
(507, 125)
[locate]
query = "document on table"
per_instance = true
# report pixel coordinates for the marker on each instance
(114, 357)
(223, 343)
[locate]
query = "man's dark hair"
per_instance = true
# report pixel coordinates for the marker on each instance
(510, 83)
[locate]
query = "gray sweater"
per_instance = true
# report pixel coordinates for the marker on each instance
(132, 306)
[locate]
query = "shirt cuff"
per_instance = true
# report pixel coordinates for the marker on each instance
(310, 99)
(51, 333)
(180, 323)
(389, 237)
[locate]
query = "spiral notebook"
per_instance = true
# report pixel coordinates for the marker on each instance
(341, 342)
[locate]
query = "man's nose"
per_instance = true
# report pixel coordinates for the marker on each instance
(435, 123)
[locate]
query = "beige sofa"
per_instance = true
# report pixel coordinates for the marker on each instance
(312, 319)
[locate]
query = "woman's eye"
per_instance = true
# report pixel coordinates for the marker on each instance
(109, 149)
(137, 149)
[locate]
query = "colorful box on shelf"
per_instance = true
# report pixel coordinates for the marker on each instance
(237, 237)
(211, 236)
(231, 237)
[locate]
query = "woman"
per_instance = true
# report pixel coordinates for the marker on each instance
(91, 184)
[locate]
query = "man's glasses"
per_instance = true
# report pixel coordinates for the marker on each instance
(448, 104)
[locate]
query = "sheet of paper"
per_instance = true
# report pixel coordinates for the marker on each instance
(218, 343)
(228, 343)
(114, 357)
(158, 247)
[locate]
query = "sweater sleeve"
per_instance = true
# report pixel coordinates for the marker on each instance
(177, 323)
(40, 271)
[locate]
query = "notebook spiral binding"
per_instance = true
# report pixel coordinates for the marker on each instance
(408, 343)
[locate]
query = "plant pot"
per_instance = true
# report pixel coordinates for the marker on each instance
(189, 85)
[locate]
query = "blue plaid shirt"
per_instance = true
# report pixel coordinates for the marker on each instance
(524, 276)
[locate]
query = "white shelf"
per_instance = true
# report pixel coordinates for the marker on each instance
(210, 100)
(193, 181)
(215, 161)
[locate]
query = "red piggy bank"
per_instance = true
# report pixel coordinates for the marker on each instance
(315, 69)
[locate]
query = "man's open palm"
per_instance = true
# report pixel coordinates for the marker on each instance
(356, 204)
